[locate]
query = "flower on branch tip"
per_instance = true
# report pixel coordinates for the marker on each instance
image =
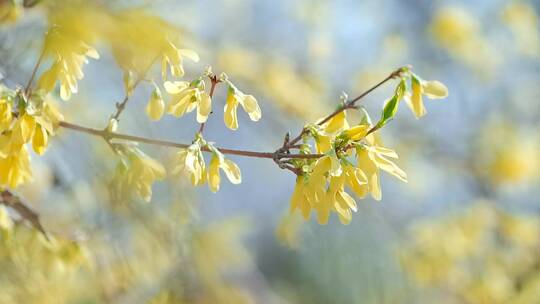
(156, 106)
(248, 103)
(135, 174)
(228, 166)
(186, 96)
(431, 89)
(173, 58)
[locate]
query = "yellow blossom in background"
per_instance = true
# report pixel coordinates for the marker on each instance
(431, 89)
(9, 12)
(523, 21)
(510, 155)
(248, 103)
(482, 255)
(459, 32)
(69, 50)
(288, 230)
(135, 174)
(187, 97)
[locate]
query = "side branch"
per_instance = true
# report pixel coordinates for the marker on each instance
(10, 200)
(113, 135)
(351, 104)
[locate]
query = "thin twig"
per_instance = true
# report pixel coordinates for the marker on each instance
(113, 135)
(120, 107)
(34, 71)
(348, 105)
(14, 202)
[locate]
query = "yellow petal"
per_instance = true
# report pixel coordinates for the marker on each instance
(435, 89)
(232, 171)
(357, 132)
(415, 102)
(23, 129)
(156, 106)
(40, 140)
(250, 105)
(175, 87)
(230, 118)
(189, 54)
(204, 108)
(213, 174)
(336, 123)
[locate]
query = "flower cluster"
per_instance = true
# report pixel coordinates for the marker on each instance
(135, 173)
(190, 162)
(352, 156)
(23, 121)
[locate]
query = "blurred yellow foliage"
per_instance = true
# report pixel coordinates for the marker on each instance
(484, 255)
(459, 32)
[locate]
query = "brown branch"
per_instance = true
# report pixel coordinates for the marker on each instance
(10, 200)
(113, 135)
(351, 104)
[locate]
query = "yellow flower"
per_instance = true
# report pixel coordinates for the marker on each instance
(357, 180)
(190, 161)
(155, 106)
(23, 130)
(142, 174)
(188, 96)
(356, 133)
(15, 168)
(373, 157)
(135, 174)
(70, 54)
(173, 57)
(299, 198)
(248, 103)
(339, 201)
(336, 124)
(40, 140)
(431, 89)
(5, 115)
(230, 168)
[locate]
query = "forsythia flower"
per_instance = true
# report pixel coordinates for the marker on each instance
(69, 53)
(15, 167)
(188, 96)
(173, 57)
(190, 161)
(431, 89)
(229, 167)
(371, 158)
(136, 173)
(248, 103)
(155, 106)
(35, 121)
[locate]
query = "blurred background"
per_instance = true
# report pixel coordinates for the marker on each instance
(464, 229)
